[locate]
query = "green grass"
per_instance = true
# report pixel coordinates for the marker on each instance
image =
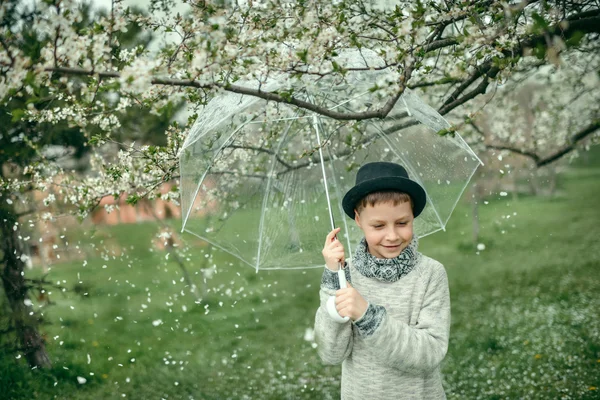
(524, 314)
(525, 309)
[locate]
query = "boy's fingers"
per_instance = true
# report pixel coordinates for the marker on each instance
(338, 251)
(340, 303)
(331, 235)
(342, 294)
(338, 256)
(333, 245)
(341, 312)
(344, 308)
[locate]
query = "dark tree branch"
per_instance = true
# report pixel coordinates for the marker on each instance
(26, 212)
(43, 282)
(438, 44)
(8, 52)
(515, 150)
(542, 161)
(575, 139)
(443, 81)
(480, 89)
(481, 70)
(586, 22)
(270, 96)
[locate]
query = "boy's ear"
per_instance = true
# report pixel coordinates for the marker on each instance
(357, 219)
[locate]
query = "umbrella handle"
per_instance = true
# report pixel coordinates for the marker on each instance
(331, 300)
(342, 276)
(333, 312)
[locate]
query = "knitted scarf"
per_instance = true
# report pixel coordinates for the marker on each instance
(386, 269)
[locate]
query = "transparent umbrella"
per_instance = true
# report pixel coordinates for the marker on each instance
(264, 181)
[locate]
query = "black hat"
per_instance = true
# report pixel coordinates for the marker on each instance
(383, 177)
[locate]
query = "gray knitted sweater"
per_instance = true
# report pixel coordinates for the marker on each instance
(395, 349)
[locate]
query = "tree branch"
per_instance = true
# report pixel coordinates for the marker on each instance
(438, 44)
(443, 81)
(576, 138)
(8, 52)
(269, 96)
(480, 89)
(482, 70)
(26, 212)
(542, 161)
(44, 282)
(260, 150)
(585, 22)
(515, 150)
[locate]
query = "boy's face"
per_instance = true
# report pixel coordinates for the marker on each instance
(388, 228)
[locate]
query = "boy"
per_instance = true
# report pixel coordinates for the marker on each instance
(398, 301)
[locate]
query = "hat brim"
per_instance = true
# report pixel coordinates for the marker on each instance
(392, 183)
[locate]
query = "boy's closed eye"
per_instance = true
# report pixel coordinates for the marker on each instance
(401, 223)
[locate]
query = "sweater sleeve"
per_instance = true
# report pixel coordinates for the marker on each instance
(334, 340)
(421, 347)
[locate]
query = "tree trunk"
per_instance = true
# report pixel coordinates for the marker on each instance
(23, 316)
(475, 211)
(533, 182)
(551, 180)
(170, 246)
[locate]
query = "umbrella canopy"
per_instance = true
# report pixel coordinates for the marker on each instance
(264, 181)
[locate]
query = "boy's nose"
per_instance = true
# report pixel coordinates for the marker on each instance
(392, 235)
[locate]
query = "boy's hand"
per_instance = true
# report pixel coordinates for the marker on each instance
(349, 303)
(333, 251)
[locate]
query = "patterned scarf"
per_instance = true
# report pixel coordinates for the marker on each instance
(386, 269)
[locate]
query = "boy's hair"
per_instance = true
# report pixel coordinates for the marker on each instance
(384, 197)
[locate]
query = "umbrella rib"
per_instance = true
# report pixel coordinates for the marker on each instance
(224, 117)
(459, 196)
(236, 173)
(336, 187)
(384, 133)
(266, 196)
(221, 147)
(213, 243)
(415, 177)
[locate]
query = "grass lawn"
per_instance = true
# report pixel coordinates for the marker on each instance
(525, 319)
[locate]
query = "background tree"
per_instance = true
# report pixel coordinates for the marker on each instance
(26, 164)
